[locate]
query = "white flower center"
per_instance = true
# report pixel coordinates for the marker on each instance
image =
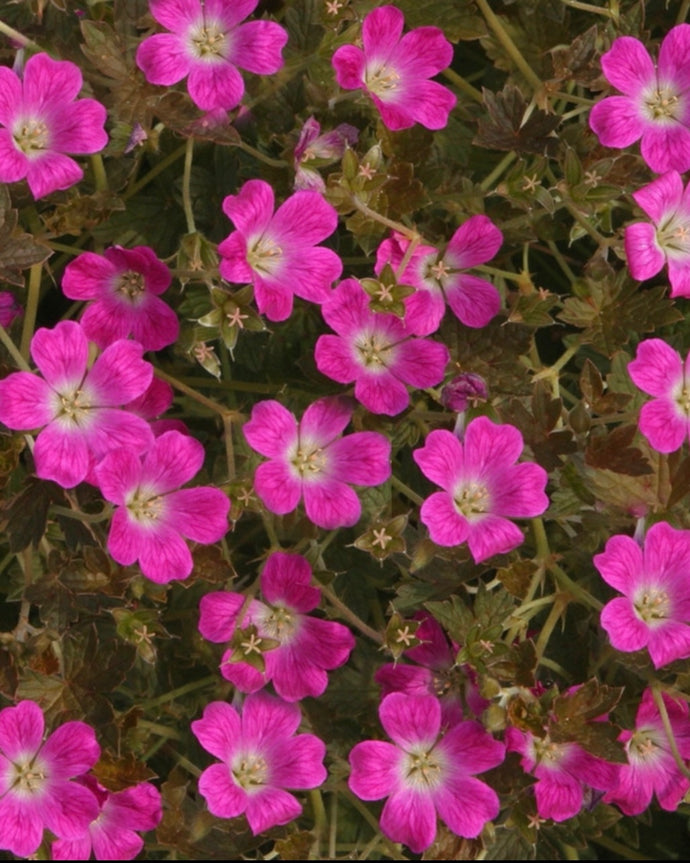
(472, 499)
(423, 770)
(642, 746)
(673, 236)
(29, 776)
(280, 623)
(250, 771)
(74, 407)
(662, 104)
(308, 460)
(547, 752)
(371, 350)
(31, 137)
(208, 41)
(145, 507)
(381, 79)
(652, 605)
(130, 285)
(265, 255)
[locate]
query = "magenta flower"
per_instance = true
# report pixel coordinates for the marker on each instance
(482, 488)
(651, 767)
(112, 836)
(654, 611)
(423, 772)
(394, 70)
(667, 241)
(562, 770)
(311, 460)
(76, 408)
(375, 351)
(439, 278)
(659, 371)
(42, 121)
(35, 787)
(315, 150)
(655, 105)
(306, 646)
(9, 309)
(153, 514)
(260, 756)
(124, 284)
(277, 252)
(154, 402)
(207, 44)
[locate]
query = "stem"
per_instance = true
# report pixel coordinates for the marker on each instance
(463, 85)
(510, 47)
(410, 233)
(562, 579)
(666, 722)
(262, 157)
(31, 308)
(99, 174)
(192, 393)
(333, 826)
(175, 693)
(87, 518)
(160, 730)
(561, 261)
(409, 251)
(320, 821)
(12, 350)
(505, 162)
(186, 183)
(557, 609)
(407, 491)
(18, 37)
(683, 12)
(350, 616)
(154, 172)
(564, 359)
(501, 274)
(588, 7)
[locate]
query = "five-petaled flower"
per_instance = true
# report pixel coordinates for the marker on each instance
(260, 757)
(655, 105)
(440, 278)
(424, 772)
(395, 70)
(153, 513)
(310, 459)
(659, 371)
(303, 647)
(482, 488)
(207, 42)
(42, 122)
(315, 150)
(376, 351)
(654, 611)
(77, 408)
(124, 285)
(277, 252)
(35, 786)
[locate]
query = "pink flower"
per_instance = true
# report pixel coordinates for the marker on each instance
(9, 309)
(562, 770)
(112, 836)
(306, 646)
(655, 105)
(654, 611)
(310, 459)
(667, 241)
(76, 408)
(208, 43)
(35, 791)
(659, 371)
(315, 150)
(394, 70)
(124, 284)
(651, 767)
(438, 278)
(482, 488)
(375, 351)
(153, 514)
(42, 121)
(277, 252)
(424, 772)
(153, 402)
(260, 756)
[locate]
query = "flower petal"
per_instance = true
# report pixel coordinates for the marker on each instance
(628, 66)
(278, 489)
(218, 730)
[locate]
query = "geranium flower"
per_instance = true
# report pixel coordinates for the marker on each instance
(655, 105)
(208, 43)
(35, 787)
(438, 277)
(651, 768)
(76, 408)
(260, 756)
(424, 772)
(303, 647)
(124, 284)
(277, 252)
(394, 70)
(153, 513)
(482, 488)
(42, 121)
(659, 371)
(112, 836)
(654, 611)
(562, 770)
(311, 460)
(9, 309)
(375, 351)
(315, 150)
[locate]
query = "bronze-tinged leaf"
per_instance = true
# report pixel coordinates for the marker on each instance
(517, 577)
(590, 701)
(118, 773)
(680, 483)
(578, 61)
(27, 514)
(612, 451)
(18, 250)
(505, 127)
(296, 846)
(104, 48)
